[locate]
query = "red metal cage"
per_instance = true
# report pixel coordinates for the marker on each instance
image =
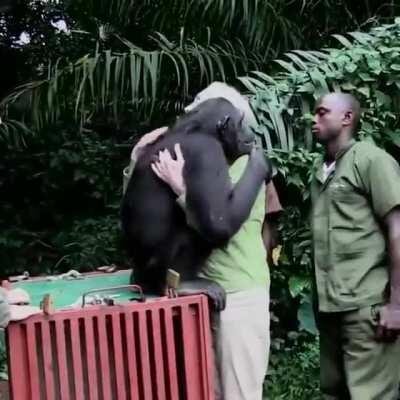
(157, 350)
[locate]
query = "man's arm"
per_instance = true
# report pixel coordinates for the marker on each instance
(393, 225)
(381, 178)
(390, 314)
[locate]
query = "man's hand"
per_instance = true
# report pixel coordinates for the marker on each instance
(147, 139)
(389, 323)
(170, 170)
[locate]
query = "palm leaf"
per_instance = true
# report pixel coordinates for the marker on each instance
(111, 81)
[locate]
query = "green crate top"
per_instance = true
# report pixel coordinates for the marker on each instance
(68, 292)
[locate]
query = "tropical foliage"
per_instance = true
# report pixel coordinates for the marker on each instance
(140, 57)
(368, 65)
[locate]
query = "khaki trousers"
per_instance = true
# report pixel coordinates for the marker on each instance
(353, 364)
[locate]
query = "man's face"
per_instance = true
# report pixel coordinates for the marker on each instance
(329, 119)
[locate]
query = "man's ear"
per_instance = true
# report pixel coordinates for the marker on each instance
(348, 118)
(223, 123)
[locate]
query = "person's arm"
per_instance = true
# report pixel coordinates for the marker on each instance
(393, 224)
(381, 178)
(390, 314)
(273, 210)
(144, 140)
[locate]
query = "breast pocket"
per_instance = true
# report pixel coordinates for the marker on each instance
(344, 192)
(348, 206)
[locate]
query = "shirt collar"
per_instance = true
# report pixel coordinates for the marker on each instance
(344, 150)
(320, 172)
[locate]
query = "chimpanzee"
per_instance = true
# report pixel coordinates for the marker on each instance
(211, 137)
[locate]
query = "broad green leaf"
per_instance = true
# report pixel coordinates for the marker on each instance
(343, 40)
(306, 317)
(298, 284)
(365, 90)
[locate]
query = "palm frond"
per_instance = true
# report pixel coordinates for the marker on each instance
(115, 81)
(14, 132)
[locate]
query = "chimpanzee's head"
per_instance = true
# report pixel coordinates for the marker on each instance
(219, 118)
(234, 127)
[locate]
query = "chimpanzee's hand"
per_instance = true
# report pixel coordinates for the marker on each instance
(262, 162)
(217, 295)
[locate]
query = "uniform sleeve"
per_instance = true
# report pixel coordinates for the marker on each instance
(381, 177)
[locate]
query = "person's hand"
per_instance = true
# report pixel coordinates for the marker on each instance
(148, 138)
(389, 323)
(170, 170)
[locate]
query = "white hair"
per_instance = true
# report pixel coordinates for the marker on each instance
(220, 89)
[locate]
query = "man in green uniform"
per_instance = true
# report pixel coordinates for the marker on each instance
(356, 247)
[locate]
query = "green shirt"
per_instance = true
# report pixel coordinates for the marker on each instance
(349, 246)
(241, 264)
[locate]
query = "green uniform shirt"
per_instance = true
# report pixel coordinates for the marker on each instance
(350, 255)
(241, 264)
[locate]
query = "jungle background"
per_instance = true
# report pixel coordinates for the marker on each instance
(82, 80)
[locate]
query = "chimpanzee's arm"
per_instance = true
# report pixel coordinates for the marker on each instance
(218, 208)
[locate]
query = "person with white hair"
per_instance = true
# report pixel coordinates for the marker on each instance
(240, 267)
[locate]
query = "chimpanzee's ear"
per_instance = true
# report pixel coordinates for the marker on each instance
(223, 124)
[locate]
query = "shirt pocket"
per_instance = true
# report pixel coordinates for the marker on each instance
(349, 207)
(344, 192)
(347, 241)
